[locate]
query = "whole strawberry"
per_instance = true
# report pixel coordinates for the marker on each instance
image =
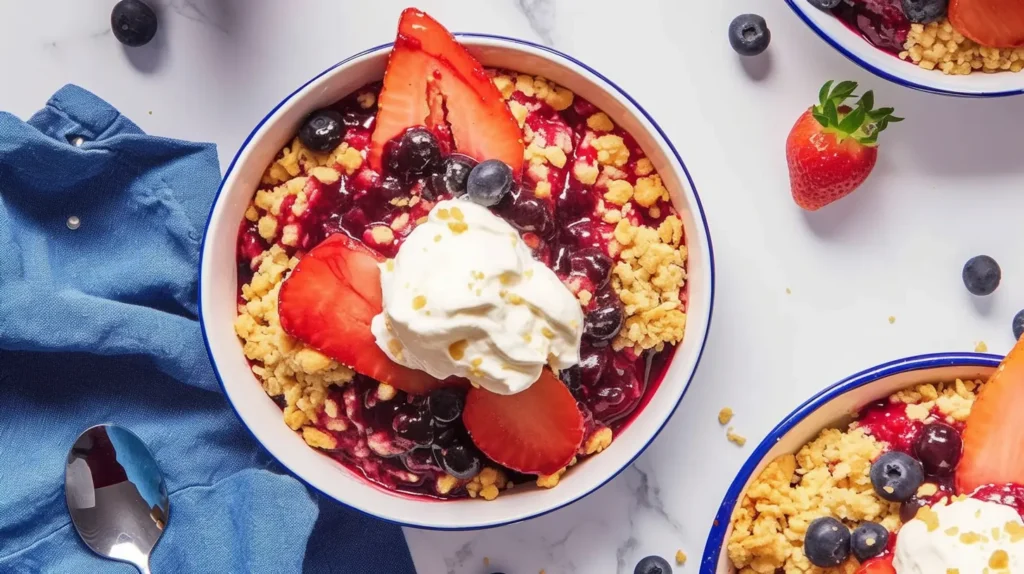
(832, 148)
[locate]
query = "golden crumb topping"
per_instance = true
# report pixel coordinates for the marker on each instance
(648, 279)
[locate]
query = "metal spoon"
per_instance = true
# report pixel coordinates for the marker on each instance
(116, 494)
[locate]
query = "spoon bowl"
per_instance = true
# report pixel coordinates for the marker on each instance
(116, 494)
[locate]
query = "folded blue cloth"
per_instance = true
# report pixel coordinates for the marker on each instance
(100, 227)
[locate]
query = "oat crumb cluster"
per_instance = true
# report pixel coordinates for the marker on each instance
(829, 476)
(938, 46)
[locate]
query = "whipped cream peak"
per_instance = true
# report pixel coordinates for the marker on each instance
(465, 297)
(968, 536)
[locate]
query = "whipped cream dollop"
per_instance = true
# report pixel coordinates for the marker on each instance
(465, 297)
(967, 536)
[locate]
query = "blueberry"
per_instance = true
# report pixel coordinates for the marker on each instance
(924, 11)
(749, 34)
(824, 4)
(529, 214)
(592, 263)
(389, 188)
(909, 508)
(938, 447)
(869, 540)
(489, 182)
(133, 23)
(981, 275)
(1018, 324)
(572, 378)
(896, 476)
(413, 425)
(604, 321)
(445, 405)
(322, 131)
(451, 177)
(412, 154)
(653, 565)
(827, 542)
(460, 461)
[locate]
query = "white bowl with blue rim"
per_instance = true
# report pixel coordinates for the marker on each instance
(884, 64)
(833, 408)
(262, 417)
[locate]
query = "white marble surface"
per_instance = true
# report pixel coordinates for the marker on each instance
(947, 187)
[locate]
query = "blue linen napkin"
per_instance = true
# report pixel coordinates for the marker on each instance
(98, 324)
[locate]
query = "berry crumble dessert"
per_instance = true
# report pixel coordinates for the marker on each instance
(460, 279)
(955, 36)
(928, 481)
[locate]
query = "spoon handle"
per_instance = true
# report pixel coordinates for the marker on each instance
(143, 568)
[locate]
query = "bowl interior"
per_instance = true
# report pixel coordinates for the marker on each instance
(883, 64)
(263, 418)
(833, 409)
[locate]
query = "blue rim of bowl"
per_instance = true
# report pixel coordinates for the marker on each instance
(657, 128)
(886, 75)
(713, 546)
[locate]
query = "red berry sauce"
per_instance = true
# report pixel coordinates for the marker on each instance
(880, 22)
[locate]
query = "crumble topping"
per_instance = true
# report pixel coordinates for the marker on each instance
(939, 46)
(830, 476)
(488, 484)
(284, 365)
(648, 279)
(296, 159)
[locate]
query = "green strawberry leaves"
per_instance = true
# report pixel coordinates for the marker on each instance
(862, 122)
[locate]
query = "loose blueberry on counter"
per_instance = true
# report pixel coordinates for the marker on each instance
(653, 565)
(749, 34)
(460, 461)
(445, 405)
(412, 154)
(453, 175)
(896, 476)
(824, 4)
(322, 131)
(604, 321)
(938, 447)
(1018, 324)
(489, 182)
(827, 542)
(869, 540)
(909, 508)
(981, 275)
(133, 23)
(924, 11)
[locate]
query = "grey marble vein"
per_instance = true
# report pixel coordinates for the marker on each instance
(541, 16)
(196, 11)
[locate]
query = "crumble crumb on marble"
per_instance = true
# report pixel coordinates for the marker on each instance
(829, 476)
(680, 557)
(733, 437)
(980, 347)
(725, 415)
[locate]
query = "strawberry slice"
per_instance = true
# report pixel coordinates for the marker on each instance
(328, 302)
(991, 23)
(427, 61)
(994, 436)
(881, 565)
(536, 431)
